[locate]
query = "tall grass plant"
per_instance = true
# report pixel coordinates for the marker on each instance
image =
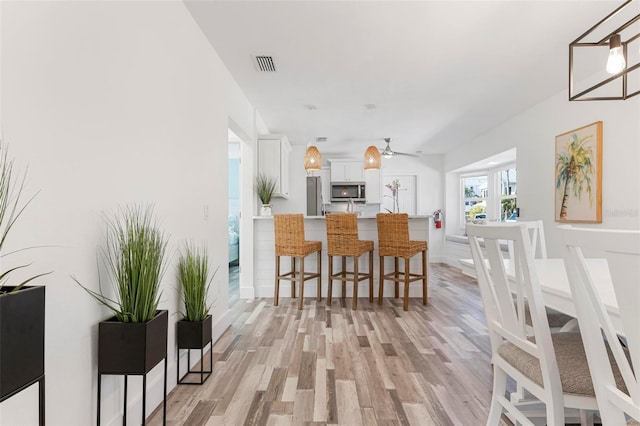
(134, 258)
(195, 281)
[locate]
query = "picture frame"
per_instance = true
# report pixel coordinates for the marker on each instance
(578, 175)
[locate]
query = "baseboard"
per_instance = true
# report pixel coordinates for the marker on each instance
(247, 293)
(221, 325)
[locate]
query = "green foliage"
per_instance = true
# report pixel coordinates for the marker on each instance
(11, 208)
(265, 186)
(508, 206)
(476, 209)
(193, 276)
(134, 259)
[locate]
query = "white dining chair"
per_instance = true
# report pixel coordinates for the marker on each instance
(550, 367)
(617, 389)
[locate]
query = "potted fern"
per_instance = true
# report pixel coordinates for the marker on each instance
(265, 187)
(134, 340)
(194, 331)
(21, 306)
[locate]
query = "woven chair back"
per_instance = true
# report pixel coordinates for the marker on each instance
(342, 233)
(393, 233)
(289, 234)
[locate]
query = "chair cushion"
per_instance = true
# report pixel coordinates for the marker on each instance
(556, 319)
(572, 363)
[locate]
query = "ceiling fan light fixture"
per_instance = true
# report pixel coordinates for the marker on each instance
(372, 160)
(312, 159)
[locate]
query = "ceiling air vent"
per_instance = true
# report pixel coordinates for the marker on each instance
(264, 63)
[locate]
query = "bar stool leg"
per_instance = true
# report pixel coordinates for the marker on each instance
(343, 274)
(301, 280)
(425, 272)
(381, 279)
(330, 287)
(277, 288)
(396, 276)
(405, 305)
(354, 302)
(319, 279)
(293, 277)
(371, 276)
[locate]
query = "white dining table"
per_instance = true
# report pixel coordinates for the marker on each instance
(555, 287)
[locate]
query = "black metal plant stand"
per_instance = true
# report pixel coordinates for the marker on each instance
(133, 349)
(40, 381)
(144, 396)
(204, 374)
(194, 335)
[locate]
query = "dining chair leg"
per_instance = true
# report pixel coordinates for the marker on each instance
(396, 293)
(425, 272)
(293, 277)
(405, 304)
(301, 280)
(371, 276)
(381, 279)
(277, 286)
(330, 286)
(354, 302)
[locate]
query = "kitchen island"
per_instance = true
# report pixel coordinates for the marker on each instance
(315, 230)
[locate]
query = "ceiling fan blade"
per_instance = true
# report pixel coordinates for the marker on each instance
(406, 154)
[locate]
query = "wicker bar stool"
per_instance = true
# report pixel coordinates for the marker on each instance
(342, 241)
(393, 240)
(289, 238)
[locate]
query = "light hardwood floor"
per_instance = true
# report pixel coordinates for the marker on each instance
(331, 365)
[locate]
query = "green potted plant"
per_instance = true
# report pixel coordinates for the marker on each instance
(265, 187)
(194, 331)
(134, 340)
(21, 307)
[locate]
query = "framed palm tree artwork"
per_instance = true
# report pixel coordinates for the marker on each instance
(578, 175)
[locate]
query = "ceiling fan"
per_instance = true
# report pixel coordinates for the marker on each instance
(387, 152)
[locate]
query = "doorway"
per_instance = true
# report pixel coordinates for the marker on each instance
(234, 215)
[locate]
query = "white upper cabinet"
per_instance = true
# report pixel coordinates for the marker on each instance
(273, 160)
(373, 189)
(347, 171)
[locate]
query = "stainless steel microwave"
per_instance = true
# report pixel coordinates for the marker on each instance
(345, 191)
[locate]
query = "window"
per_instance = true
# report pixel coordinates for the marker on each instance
(490, 194)
(507, 194)
(475, 196)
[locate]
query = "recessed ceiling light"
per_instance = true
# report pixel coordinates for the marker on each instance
(491, 163)
(311, 107)
(369, 106)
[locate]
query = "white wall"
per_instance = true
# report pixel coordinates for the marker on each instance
(533, 134)
(111, 103)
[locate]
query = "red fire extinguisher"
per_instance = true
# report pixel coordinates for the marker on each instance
(438, 216)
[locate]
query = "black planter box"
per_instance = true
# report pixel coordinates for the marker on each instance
(132, 348)
(194, 335)
(21, 338)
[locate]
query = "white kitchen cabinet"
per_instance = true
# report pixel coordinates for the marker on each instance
(273, 160)
(373, 189)
(347, 171)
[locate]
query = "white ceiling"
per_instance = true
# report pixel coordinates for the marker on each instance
(438, 72)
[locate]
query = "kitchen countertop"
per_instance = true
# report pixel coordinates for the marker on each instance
(359, 217)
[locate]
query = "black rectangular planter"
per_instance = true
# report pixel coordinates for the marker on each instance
(21, 338)
(126, 348)
(194, 335)
(132, 348)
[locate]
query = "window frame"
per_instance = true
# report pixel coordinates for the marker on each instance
(494, 195)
